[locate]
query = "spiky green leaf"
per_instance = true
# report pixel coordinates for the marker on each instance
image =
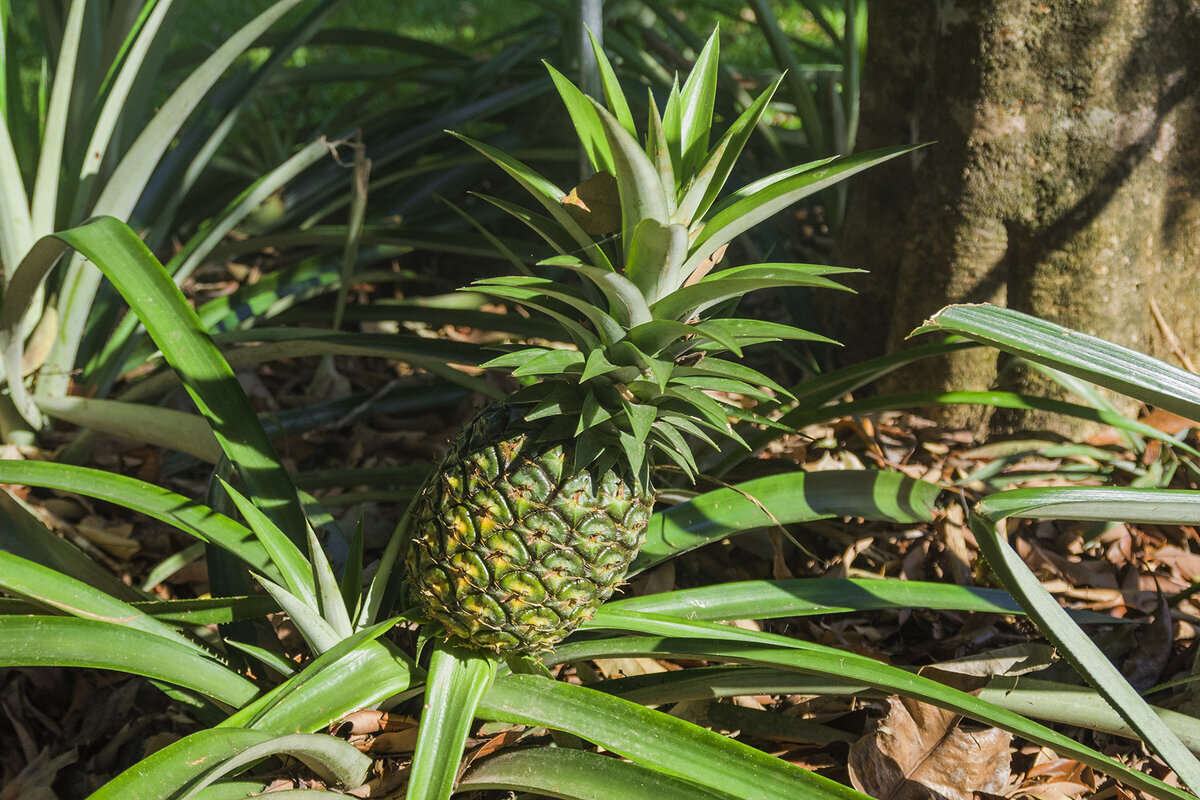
(642, 195)
(763, 199)
(586, 122)
(696, 108)
(613, 96)
(655, 256)
(709, 179)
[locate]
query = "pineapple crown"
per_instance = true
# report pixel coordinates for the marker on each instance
(647, 312)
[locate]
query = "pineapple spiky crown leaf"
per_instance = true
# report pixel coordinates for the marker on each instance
(644, 309)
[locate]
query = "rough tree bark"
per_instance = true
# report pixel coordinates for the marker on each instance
(1064, 182)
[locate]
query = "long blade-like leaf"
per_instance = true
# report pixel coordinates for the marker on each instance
(804, 596)
(457, 679)
(49, 169)
(160, 775)
(576, 774)
(1132, 505)
(74, 642)
(735, 645)
(128, 181)
(174, 509)
(1110, 365)
(655, 739)
(172, 324)
(762, 200)
(783, 499)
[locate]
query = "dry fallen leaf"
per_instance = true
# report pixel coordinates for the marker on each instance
(115, 536)
(595, 204)
(918, 752)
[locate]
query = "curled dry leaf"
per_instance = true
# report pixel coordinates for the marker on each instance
(918, 752)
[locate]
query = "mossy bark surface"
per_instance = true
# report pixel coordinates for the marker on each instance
(1064, 180)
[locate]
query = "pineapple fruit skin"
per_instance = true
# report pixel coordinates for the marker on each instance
(511, 551)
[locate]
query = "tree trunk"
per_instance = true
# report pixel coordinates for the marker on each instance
(1064, 180)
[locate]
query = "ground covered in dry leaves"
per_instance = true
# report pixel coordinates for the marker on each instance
(65, 731)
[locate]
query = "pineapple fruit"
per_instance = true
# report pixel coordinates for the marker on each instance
(533, 518)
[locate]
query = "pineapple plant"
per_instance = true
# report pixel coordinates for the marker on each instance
(532, 519)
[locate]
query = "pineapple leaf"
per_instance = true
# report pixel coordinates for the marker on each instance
(657, 335)
(660, 154)
(661, 371)
(596, 364)
(642, 195)
(757, 419)
(613, 96)
(625, 301)
(758, 330)
(545, 192)
(726, 385)
(319, 634)
(558, 429)
(641, 417)
(514, 288)
(689, 301)
(540, 224)
(589, 445)
(710, 178)
(329, 595)
(634, 450)
(765, 198)
(581, 336)
(696, 110)
(656, 252)
(559, 402)
(586, 122)
(720, 368)
(549, 362)
(492, 239)
(705, 406)
(592, 414)
(684, 423)
(287, 558)
(668, 441)
(352, 574)
(517, 358)
(673, 126)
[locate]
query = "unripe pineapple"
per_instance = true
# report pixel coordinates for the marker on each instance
(514, 549)
(532, 520)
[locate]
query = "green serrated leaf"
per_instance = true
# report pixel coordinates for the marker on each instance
(597, 364)
(764, 198)
(626, 303)
(586, 123)
(640, 417)
(642, 195)
(706, 186)
(457, 680)
(690, 301)
(592, 414)
(634, 450)
(658, 152)
(516, 359)
(613, 96)
(559, 402)
(705, 406)
(550, 362)
(720, 368)
(656, 253)
(696, 109)
(545, 192)
(759, 330)
(673, 126)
